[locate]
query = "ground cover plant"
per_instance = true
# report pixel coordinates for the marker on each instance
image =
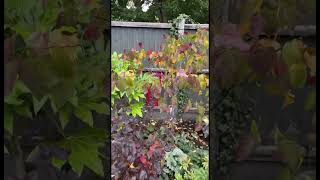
(56, 66)
(249, 54)
(144, 147)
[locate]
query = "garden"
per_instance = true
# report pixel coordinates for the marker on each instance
(74, 110)
(170, 147)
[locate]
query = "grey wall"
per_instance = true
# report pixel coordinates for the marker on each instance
(127, 35)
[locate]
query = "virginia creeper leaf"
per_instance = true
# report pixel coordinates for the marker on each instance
(84, 115)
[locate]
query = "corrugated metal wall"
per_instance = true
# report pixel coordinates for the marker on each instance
(151, 35)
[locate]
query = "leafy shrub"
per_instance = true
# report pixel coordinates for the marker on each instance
(129, 84)
(186, 161)
(138, 150)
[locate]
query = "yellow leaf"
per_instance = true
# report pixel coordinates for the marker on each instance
(131, 166)
(206, 43)
(288, 99)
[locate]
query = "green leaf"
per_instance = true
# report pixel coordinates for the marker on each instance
(311, 101)
(18, 90)
(74, 99)
(49, 19)
(37, 105)
(101, 108)
(22, 88)
(298, 75)
(12, 100)
(255, 132)
(58, 163)
(292, 53)
(8, 120)
(65, 115)
(83, 149)
(84, 115)
(24, 111)
(136, 109)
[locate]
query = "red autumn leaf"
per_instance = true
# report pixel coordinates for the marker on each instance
(155, 103)
(148, 96)
(144, 160)
(153, 147)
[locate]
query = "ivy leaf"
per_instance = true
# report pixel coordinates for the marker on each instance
(298, 75)
(292, 52)
(311, 101)
(84, 115)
